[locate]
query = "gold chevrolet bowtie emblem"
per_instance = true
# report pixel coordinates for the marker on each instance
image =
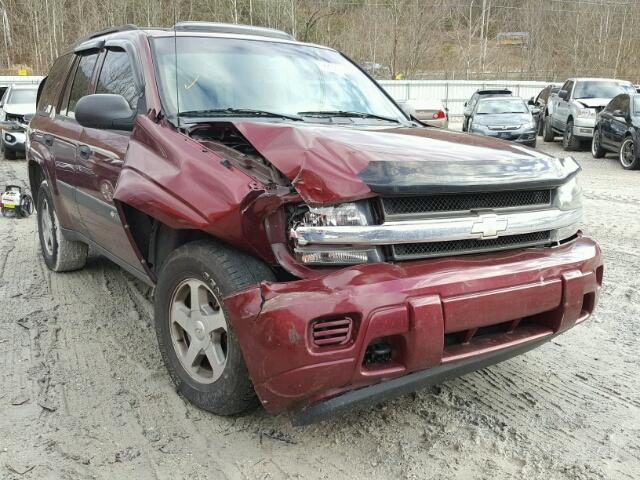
(489, 226)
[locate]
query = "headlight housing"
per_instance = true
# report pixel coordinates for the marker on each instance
(345, 214)
(586, 113)
(569, 195)
(350, 214)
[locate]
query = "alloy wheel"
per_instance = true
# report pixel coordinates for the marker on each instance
(198, 329)
(595, 143)
(47, 226)
(627, 153)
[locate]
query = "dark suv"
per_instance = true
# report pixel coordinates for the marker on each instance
(307, 241)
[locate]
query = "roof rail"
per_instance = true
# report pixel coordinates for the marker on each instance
(107, 31)
(231, 28)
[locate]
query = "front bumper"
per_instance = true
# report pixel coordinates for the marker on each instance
(524, 136)
(14, 139)
(453, 312)
(583, 129)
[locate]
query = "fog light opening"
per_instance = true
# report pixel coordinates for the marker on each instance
(379, 352)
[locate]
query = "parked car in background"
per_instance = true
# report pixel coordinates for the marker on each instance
(575, 107)
(542, 104)
(617, 130)
(471, 103)
(307, 241)
(507, 118)
(17, 101)
(431, 112)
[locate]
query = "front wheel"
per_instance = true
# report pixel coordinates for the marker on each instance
(569, 140)
(194, 329)
(596, 145)
(9, 154)
(628, 155)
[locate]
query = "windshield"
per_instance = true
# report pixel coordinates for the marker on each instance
(600, 89)
(23, 95)
(222, 73)
(502, 105)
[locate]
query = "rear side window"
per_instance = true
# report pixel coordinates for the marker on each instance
(117, 77)
(53, 84)
(81, 81)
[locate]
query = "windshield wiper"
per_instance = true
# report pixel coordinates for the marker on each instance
(247, 112)
(347, 114)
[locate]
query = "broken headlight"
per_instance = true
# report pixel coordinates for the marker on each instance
(313, 219)
(569, 195)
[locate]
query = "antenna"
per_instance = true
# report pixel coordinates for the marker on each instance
(175, 56)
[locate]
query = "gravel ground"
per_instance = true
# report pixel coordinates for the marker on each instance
(83, 393)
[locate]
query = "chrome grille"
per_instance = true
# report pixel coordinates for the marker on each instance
(460, 247)
(422, 205)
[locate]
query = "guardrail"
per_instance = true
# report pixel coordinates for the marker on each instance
(454, 93)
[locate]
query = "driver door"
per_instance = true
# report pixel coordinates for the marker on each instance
(100, 157)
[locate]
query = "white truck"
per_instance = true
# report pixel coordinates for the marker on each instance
(574, 108)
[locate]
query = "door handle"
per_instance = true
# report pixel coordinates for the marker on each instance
(85, 151)
(48, 139)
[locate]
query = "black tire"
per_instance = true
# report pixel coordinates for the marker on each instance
(596, 146)
(548, 134)
(9, 154)
(465, 124)
(223, 271)
(569, 141)
(632, 163)
(60, 254)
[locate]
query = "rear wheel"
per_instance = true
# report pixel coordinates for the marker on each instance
(195, 334)
(569, 140)
(547, 134)
(596, 146)
(628, 155)
(60, 254)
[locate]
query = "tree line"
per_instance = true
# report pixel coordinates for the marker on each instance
(411, 39)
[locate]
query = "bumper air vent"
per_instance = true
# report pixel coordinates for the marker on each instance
(332, 332)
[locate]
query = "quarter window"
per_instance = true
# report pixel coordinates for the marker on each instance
(117, 77)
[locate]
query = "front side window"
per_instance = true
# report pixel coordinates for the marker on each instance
(496, 106)
(81, 81)
(117, 77)
(220, 73)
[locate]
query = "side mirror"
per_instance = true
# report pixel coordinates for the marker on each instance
(563, 94)
(106, 111)
(531, 101)
(28, 117)
(465, 103)
(407, 108)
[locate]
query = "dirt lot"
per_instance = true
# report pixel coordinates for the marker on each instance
(83, 393)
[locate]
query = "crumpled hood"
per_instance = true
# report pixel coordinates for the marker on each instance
(594, 102)
(329, 164)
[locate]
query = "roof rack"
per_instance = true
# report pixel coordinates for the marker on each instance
(231, 28)
(107, 31)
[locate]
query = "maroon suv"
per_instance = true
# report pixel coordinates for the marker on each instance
(308, 242)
